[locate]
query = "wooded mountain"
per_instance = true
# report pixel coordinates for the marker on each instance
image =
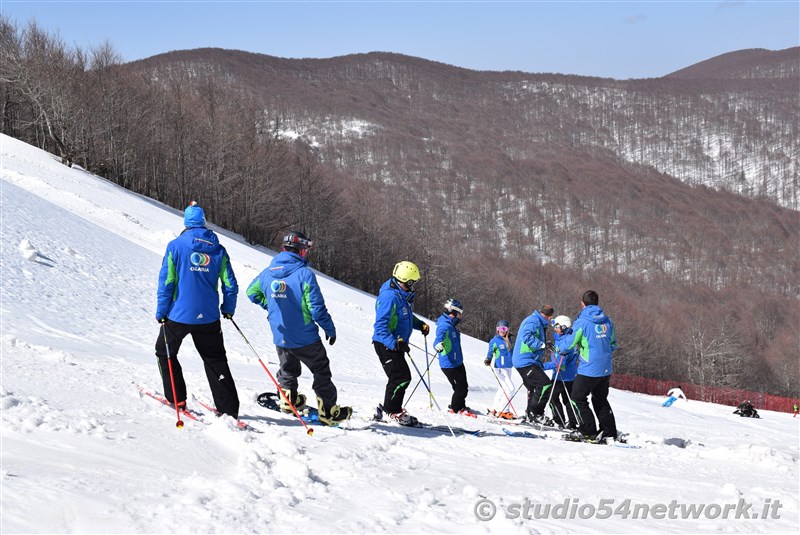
(675, 198)
(731, 122)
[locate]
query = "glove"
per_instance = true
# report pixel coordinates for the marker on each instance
(162, 320)
(425, 329)
(331, 339)
(487, 362)
(402, 346)
(227, 316)
(439, 347)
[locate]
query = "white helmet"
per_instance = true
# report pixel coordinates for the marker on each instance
(562, 321)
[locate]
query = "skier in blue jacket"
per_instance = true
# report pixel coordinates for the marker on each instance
(451, 359)
(595, 339)
(394, 322)
(529, 352)
(499, 358)
(188, 303)
(565, 360)
(289, 292)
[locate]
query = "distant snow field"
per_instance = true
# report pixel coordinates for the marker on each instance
(82, 451)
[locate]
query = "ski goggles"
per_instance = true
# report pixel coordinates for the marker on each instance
(303, 243)
(502, 330)
(410, 283)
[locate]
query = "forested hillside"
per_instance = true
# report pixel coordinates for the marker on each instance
(671, 197)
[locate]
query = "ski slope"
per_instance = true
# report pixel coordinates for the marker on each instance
(82, 451)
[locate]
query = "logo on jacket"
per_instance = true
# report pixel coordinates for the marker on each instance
(278, 288)
(601, 330)
(199, 262)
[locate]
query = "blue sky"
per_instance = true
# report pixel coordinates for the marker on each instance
(594, 38)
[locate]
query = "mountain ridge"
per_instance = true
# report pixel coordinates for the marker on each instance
(732, 120)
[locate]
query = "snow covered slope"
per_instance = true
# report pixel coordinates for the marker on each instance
(83, 452)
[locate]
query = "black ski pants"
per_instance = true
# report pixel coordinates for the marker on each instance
(316, 360)
(538, 384)
(208, 341)
(397, 371)
(458, 380)
(597, 387)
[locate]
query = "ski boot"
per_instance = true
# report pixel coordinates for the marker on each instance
(333, 415)
(400, 418)
(576, 436)
(541, 419)
(299, 401)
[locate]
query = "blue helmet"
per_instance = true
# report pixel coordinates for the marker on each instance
(453, 305)
(502, 323)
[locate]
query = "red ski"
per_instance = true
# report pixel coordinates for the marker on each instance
(192, 415)
(240, 424)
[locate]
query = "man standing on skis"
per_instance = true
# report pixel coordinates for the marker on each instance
(394, 321)
(451, 360)
(595, 339)
(188, 303)
(528, 353)
(289, 292)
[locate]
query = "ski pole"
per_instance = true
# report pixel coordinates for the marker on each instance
(428, 371)
(431, 393)
(309, 430)
(572, 404)
(553, 387)
(419, 382)
(503, 389)
(512, 397)
(179, 423)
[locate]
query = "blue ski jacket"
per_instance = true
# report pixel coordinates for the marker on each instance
(394, 317)
(595, 339)
(530, 346)
(289, 292)
(188, 282)
(450, 337)
(567, 356)
(499, 353)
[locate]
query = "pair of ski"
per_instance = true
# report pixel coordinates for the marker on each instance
(441, 429)
(193, 414)
(310, 415)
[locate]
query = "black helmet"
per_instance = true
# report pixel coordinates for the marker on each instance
(296, 240)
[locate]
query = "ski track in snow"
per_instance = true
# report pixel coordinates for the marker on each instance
(83, 451)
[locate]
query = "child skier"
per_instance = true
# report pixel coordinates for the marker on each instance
(566, 360)
(451, 360)
(394, 322)
(499, 358)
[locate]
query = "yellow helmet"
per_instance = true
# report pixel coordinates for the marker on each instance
(406, 271)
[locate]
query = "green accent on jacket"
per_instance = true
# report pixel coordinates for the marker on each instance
(581, 343)
(256, 291)
(223, 272)
(306, 306)
(172, 276)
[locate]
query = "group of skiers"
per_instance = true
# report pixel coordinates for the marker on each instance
(581, 362)
(195, 265)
